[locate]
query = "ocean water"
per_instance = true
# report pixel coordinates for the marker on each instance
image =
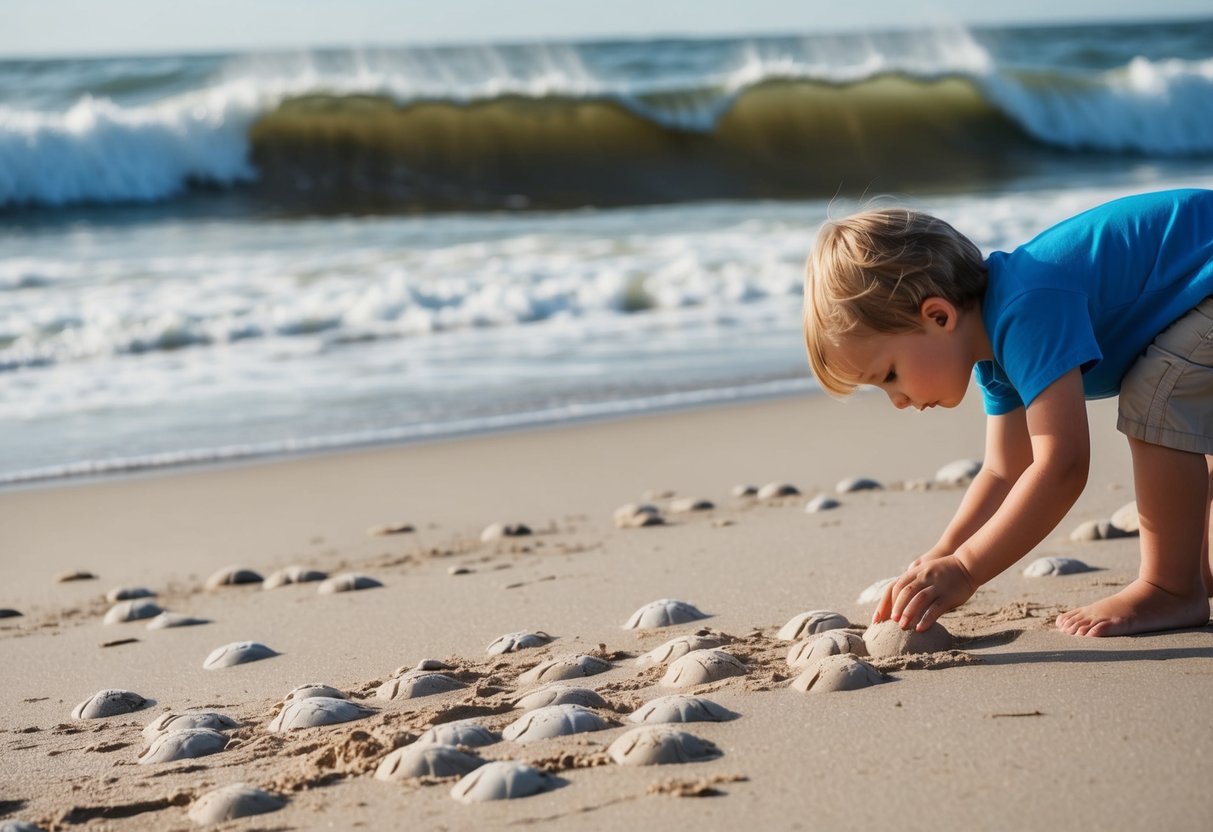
(214, 257)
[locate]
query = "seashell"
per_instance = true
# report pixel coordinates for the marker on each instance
(316, 711)
(497, 531)
(665, 612)
(680, 707)
(822, 502)
(559, 694)
(128, 593)
(314, 689)
(232, 575)
(385, 529)
(415, 684)
(238, 652)
(553, 721)
(744, 490)
(1125, 519)
(811, 623)
(829, 643)
(653, 745)
(776, 490)
(702, 666)
(556, 670)
(426, 664)
(678, 647)
(837, 673)
(465, 732)
(872, 594)
(1043, 567)
(238, 800)
(347, 582)
(75, 575)
(637, 515)
(134, 610)
(292, 575)
(176, 722)
(888, 639)
(174, 619)
(110, 702)
(684, 505)
(958, 472)
(502, 780)
(426, 761)
(513, 642)
(1097, 530)
(183, 744)
(853, 484)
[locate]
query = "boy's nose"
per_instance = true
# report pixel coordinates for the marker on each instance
(899, 401)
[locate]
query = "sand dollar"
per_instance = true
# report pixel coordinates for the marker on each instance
(683, 505)
(1044, 567)
(109, 702)
(873, 593)
(426, 761)
(837, 673)
(316, 711)
(829, 643)
(652, 745)
(664, 612)
(133, 610)
(231, 576)
(168, 619)
(176, 722)
(888, 639)
(853, 484)
(811, 623)
(128, 593)
(464, 732)
(680, 707)
(314, 689)
(559, 694)
(744, 490)
(822, 502)
(958, 472)
(569, 667)
(347, 582)
(553, 721)
(513, 642)
(637, 516)
(501, 780)
(415, 684)
(183, 744)
(777, 490)
(292, 575)
(1125, 519)
(702, 666)
(238, 800)
(497, 531)
(678, 647)
(238, 652)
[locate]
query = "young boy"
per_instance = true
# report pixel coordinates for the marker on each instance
(1117, 300)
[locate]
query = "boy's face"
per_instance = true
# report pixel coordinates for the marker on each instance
(926, 368)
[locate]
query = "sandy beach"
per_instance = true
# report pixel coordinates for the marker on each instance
(1015, 726)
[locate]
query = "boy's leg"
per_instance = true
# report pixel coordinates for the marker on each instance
(1173, 503)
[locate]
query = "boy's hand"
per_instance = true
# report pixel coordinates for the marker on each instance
(927, 590)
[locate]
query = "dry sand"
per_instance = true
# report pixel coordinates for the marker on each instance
(1021, 727)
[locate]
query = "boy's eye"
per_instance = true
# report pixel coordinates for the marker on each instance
(891, 376)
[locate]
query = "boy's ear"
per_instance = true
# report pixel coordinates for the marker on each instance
(939, 313)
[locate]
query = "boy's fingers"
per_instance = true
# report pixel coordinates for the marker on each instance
(885, 603)
(917, 607)
(930, 616)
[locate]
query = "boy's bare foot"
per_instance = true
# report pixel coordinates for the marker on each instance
(1141, 607)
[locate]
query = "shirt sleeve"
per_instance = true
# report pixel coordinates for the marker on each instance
(997, 392)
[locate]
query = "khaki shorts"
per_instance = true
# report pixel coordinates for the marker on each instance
(1166, 398)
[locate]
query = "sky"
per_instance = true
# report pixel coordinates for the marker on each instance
(108, 27)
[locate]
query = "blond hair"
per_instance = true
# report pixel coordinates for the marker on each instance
(870, 272)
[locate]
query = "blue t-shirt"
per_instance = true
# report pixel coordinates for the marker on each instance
(1092, 292)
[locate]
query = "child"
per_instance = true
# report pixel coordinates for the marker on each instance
(1115, 301)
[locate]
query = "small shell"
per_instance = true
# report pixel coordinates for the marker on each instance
(853, 484)
(513, 642)
(109, 702)
(744, 490)
(232, 575)
(958, 472)
(872, 594)
(1125, 519)
(678, 647)
(168, 619)
(316, 711)
(176, 722)
(1042, 567)
(553, 721)
(837, 673)
(665, 612)
(684, 505)
(501, 780)
(822, 502)
(1097, 530)
(888, 639)
(128, 593)
(680, 707)
(314, 689)
(557, 670)
(829, 643)
(637, 515)
(559, 694)
(415, 684)
(134, 610)
(652, 745)
(238, 652)
(776, 490)
(702, 666)
(347, 582)
(497, 531)
(292, 575)
(465, 732)
(426, 761)
(183, 744)
(811, 623)
(230, 802)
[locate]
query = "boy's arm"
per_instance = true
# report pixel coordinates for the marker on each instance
(1060, 443)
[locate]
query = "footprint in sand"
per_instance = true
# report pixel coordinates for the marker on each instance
(316, 711)
(232, 576)
(347, 582)
(810, 623)
(637, 516)
(822, 502)
(175, 619)
(238, 652)
(110, 702)
(292, 575)
(553, 721)
(653, 745)
(183, 744)
(415, 761)
(702, 666)
(678, 647)
(502, 780)
(177, 722)
(681, 708)
(314, 689)
(665, 612)
(873, 593)
(497, 531)
(135, 610)
(777, 490)
(513, 642)
(837, 673)
(238, 800)
(128, 593)
(1045, 567)
(822, 645)
(560, 669)
(887, 639)
(414, 684)
(469, 733)
(559, 694)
